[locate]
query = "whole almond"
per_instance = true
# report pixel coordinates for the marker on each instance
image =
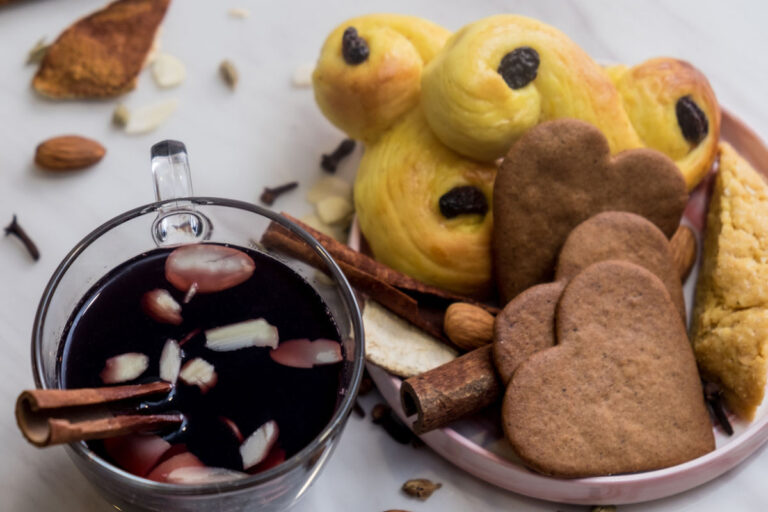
(468, 326)
(68, 152)
(683, 247)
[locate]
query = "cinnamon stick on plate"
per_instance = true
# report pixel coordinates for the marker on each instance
(55, 416)
(420, 304)
(460, 388)
(379, 271)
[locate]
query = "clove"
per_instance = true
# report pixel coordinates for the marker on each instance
(329, 162)
(383, 415)
(713, 395)
(15, 229)
(269, 195)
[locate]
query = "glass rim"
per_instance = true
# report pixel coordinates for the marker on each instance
(335, 423)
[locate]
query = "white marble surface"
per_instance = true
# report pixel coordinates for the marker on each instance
(268, 132)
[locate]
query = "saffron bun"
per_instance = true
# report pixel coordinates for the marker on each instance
(399, 184)
(653, 94)
(366, 98)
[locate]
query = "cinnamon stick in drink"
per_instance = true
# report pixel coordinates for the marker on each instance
(56, 416)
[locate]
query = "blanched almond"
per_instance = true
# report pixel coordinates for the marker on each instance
(170, 361)
(168, 71)
(334, 210)
(147, 118)
(251, 333)
(199, 372)
(329, 186)
(256, 448)
(124, 368)
(160, 305)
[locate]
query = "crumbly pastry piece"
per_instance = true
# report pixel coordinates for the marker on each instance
(674, 110)
(398, 190)
(363, 84)
(621, 236)
(620, 392)
(558, 175)
(730, 315)
(525, 326)
(101, 55)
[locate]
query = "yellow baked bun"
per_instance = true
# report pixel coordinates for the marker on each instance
(500, 76)
(366, 83)
(674, 110)
(400, 182)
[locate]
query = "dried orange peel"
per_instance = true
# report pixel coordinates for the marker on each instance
(101, 55)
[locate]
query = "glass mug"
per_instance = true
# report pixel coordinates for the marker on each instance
(178, 218)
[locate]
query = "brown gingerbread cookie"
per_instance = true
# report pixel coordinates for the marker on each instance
(621, 236)
(620, 392)
(525, 326)
(558, 175)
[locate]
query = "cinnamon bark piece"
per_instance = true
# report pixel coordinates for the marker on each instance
(454, 390)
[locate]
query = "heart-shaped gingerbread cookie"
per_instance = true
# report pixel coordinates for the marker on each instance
(559, 174)
(525, 326)
(621, 236)
(619, 392)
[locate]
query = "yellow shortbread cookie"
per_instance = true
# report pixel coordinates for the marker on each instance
(730, 316)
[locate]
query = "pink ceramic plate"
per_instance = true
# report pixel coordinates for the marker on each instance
(477, 446)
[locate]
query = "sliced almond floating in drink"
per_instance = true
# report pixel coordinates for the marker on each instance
(170, 361)
(303, 353)
(182, 460)
(256, 448)
(195, 475)
(199, 372)
(160, 305)
(136, 453)
(212, 268)
(251, 333)
(124, 367)
(275, 457)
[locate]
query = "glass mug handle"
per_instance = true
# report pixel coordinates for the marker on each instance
(177, 221)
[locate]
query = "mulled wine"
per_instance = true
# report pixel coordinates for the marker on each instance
(251, 347)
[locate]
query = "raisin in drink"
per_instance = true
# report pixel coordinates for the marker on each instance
(250, 345)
